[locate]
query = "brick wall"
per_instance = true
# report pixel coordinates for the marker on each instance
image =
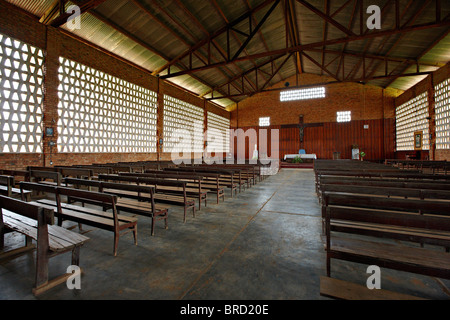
(364, 101)
(368, 104)
(21, 25)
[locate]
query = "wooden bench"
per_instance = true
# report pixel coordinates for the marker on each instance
(381, 182)
(394, 183)
(412, 221)
(19, 175)
(7, 187)
(345, 290)
(43, 176)
(135, 199)
(35, 223)
(166, 191)
(197, 181)
(247, 173)
(411, 193)
(111, 221)
(79, 173)
(226, 177)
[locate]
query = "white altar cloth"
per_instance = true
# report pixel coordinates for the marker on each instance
(302, 156)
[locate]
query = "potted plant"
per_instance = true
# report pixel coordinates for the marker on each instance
(362, 154)
(297, 160)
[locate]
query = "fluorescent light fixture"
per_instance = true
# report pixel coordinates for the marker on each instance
(302, 94)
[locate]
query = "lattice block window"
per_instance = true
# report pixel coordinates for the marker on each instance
(21, 81)
(264, 121)
(343, 116)
(410, 117)
(218, 135)
(100, 113)
(442, 113)
(183, 126)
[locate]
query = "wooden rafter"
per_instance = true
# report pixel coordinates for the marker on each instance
(208, 40)
(299, 48)
(84, 7)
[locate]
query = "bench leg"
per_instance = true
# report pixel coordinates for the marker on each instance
(166, 221)
(328, 266)
(76, 256)
(116, 243)
(153, 225)
(135, 234)
(2, 233)
(41, 270)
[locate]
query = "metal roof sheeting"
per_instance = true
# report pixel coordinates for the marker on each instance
(151, 33)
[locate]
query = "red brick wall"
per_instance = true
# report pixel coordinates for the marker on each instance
(369, 105)
(23, 26)
(366, 102)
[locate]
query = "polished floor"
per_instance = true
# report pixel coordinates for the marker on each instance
(264, 244)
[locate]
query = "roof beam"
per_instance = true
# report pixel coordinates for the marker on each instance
(359, 80)
(180, 38)
(327, 18)
(210, 37)
(443, 23)
(256, 29)
(85, 6)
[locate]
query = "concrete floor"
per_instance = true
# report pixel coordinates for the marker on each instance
(264, 244)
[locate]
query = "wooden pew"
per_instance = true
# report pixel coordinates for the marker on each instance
(19, 175)
(426, 166)
(6, 185)
(227, 177)
(111, 221)
(43, 176)
(78, 173)
(248, 172)
(382, 182)
(34, 222)
(199, 181)
(393, 219)
(135, 199)
(173, 192)
(410, 193)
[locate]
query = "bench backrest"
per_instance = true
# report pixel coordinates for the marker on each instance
(33, 186)
(90, 195)
(161, 174)
(436, 207)
(394, 174)
(388, 191)
(76, 172)
(396, 183)
(41, 215)
(53, 175)
(82, 182)
(394, 223)
(144, 180)
(16, 173)
(8, 182)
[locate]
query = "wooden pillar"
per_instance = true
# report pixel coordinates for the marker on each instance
(431, 118)
(160, 121)
(205, 127)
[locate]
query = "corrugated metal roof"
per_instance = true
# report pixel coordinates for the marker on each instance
(153, 33)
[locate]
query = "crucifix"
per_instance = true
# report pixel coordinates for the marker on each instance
(301, 125)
